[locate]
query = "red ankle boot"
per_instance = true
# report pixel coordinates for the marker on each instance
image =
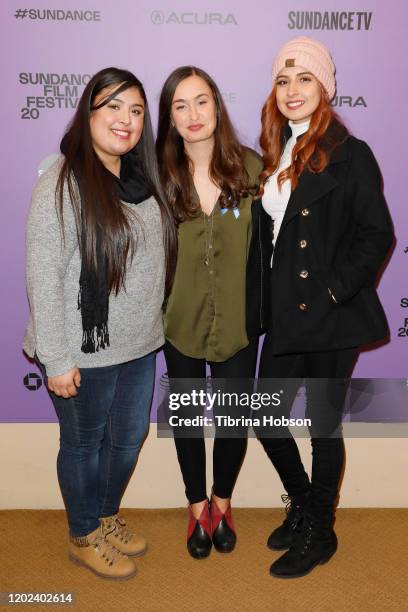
(199, 534)
(223, 531)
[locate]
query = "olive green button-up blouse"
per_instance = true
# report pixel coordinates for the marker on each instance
(205, 313)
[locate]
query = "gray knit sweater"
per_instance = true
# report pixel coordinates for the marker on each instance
(53, 268)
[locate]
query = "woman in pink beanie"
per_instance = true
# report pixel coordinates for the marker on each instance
(331, 233)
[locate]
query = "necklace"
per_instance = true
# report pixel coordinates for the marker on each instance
(208, 235)
(209, 219)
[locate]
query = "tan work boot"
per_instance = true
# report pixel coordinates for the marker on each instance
(95, 553)
(116, 533)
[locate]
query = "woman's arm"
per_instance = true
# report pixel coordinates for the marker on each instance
(374, 230)
(47, 257)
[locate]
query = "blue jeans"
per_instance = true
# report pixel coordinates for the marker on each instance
(101, 432)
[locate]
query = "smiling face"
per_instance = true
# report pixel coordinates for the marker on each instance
(117, 126)
(193, 110)
(298, 93)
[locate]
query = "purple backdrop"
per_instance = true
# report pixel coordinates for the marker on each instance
(50, 54)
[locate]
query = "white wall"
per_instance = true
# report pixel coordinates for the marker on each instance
(376, 472)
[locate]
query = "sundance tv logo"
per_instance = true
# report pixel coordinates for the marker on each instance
(162, 18)
(329, 20)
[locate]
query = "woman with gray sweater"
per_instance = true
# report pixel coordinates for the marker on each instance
(99, 234)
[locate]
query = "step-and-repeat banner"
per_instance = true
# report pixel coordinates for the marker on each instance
(50, 50)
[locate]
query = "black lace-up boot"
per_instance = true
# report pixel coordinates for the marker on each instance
(282, 537)
(314, 544)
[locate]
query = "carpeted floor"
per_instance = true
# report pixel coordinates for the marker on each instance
(369, 571)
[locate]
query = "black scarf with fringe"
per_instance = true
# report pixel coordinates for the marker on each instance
(93, 297)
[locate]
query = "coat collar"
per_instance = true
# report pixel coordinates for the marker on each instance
(340, 153)
(311, 187)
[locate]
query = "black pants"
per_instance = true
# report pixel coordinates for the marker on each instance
(325, 392)
(228, 452)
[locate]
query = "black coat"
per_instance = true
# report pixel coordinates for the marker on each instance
(335, 235)
(258, 271)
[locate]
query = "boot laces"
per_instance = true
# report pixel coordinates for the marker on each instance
(293, 513)
(117, 526)
(106, 550)
(304, 536)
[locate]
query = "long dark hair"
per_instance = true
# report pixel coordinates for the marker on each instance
(227, 168)
(92, 190)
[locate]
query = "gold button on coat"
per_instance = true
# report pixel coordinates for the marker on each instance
(303, 306)
(305, 212)
(303, 244)
(304, 274)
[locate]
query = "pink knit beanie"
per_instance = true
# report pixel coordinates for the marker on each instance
(311, 54)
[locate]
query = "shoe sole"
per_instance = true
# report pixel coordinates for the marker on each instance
(301, 574)
(82, 564)
(199, 557)
(223, 551)
(138, 554)
(278, 547)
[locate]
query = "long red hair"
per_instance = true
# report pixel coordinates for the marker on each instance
(312, 150)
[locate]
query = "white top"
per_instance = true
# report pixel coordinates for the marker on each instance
(273, 200)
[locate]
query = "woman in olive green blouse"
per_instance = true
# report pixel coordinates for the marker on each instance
(210, 180)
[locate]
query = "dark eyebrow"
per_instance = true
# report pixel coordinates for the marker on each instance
(195, 98)
(284, 76)
(121, 101)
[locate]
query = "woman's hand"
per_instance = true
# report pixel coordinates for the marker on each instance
(66, 384)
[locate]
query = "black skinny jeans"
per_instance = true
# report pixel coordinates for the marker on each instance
(325, 392)
(228, 452)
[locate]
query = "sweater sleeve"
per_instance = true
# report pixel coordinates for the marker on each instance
(47, 258)
(374, 230)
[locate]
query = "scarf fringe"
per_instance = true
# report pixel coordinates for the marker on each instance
(93, 296)
(95, 338)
